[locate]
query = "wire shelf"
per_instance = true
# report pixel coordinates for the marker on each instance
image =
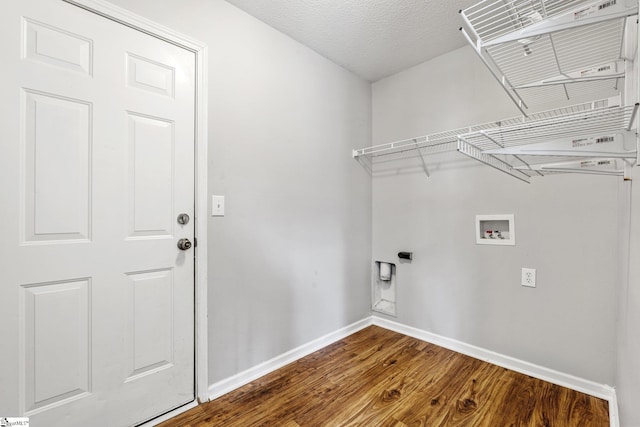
(493, 19)
(594, 140)
(545, 52)
(576, 126)
(579, 138)
(446, 140)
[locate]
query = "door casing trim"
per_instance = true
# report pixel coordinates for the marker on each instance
(139, 23)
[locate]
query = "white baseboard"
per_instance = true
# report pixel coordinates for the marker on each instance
(614, 418)
(582, 385)
(591, 388)
(229, 384)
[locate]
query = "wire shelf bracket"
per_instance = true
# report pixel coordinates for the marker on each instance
(602, 166)
(490, 160)
(611, 70)
(599, 145)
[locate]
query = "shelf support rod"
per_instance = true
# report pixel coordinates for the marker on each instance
(555, 52)
(633, 116)
(624, 32)
(504, 83)
(424, 162)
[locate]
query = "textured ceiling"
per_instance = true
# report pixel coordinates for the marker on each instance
(372, 38)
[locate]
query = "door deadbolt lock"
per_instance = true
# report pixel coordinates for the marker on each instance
(183, 219)
(184, 244)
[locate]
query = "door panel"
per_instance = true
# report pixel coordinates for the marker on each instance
(145, 74)
(151, 162)
(56, 369)
(57, 168)
(98, 162)
(150, 334)
(57, 47)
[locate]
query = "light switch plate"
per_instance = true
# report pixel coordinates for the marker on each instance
(217, 205)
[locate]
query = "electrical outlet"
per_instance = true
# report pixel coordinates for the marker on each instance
(529, 277)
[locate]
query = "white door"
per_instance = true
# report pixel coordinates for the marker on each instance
(96, 164)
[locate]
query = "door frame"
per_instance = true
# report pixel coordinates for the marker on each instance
(139, 23)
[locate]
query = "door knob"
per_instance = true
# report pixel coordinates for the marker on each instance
(184, 244)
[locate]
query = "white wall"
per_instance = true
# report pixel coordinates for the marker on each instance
(290, 260)
(628, 358)
(566, 228)
(628, 332)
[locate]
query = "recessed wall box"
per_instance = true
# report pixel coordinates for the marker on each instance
(495, 230)
(384, 288)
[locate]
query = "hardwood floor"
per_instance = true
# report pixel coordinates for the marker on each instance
(376, 377)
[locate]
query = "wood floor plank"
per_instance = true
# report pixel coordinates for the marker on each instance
(440, 386)
(189, 418)
(377, 377)
(368, 368)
